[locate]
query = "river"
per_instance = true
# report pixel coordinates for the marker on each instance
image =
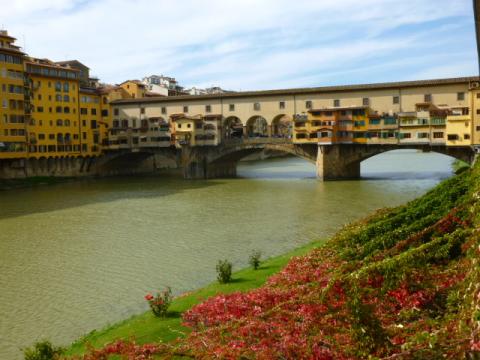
(79, 255)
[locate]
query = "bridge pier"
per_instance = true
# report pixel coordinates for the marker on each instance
(196, 165)
(334, 162)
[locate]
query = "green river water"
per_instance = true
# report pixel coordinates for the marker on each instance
(79, 255)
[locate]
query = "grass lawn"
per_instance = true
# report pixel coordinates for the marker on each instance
(146, 328)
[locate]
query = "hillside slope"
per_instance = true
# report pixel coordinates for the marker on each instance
(402, 284)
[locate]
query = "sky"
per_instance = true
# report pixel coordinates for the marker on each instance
(251, 44)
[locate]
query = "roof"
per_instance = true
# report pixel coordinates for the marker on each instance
(137, 82)
(72, 63)
(4, 34)
(304, 91)
(48, 62)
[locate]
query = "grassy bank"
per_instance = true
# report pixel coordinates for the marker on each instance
(145, 328)
(403, 283)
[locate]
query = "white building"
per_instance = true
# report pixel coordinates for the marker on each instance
(163, 85)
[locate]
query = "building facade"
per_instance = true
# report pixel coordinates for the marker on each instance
(436, 112)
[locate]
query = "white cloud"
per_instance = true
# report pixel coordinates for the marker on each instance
(246, 44)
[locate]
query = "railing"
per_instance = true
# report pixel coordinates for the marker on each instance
(257, 140)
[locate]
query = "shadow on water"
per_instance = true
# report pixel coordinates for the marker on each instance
(18, 202)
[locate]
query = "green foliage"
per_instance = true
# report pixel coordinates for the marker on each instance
(366, 327)
(42, 350)
(254, 259)
(224, 271)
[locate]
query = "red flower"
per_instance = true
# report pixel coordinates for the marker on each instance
(149, 297)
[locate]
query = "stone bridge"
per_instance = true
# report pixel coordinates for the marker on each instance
(333, 162)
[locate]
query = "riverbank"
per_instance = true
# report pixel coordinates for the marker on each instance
(146, 328)
(403, 283)
(11, 184)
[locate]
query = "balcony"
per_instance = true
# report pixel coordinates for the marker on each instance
(414, 122)
(458, 118)
(438, 121)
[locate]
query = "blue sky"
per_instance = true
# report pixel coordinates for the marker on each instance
(252, 44)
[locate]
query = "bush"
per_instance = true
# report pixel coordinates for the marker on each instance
(160, 303)
(42, 350)
(224, 271)
(254, 259)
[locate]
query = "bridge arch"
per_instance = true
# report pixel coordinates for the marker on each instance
(232, 128)
(282, 126)
(257, 126)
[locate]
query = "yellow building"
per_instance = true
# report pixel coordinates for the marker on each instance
(459, 127)
(187, 130)
(14, 100)
(135, 88)
(54, 128)
(93, 130)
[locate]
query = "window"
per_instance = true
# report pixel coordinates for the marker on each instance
(405, 135)
(281, 105)
(256, 106)
(93, 124)
(366, 101)
(41, 136)
(179, 126)
(51, 136)
(231, 107)
(93, 111)
(142, 110)
(66, 98)
(39, 97)
(115, 112)
(39, 108)
(308, 104)
(58, 97)
(208, 108)
(84, 135)
(466, 136)
(452, 137)
(66, 110)
(104, 112)
(66, 122)
(438, 135)
(164, 110)
(66, 87)
(478, 128)
(59, 122)
(427, 98)
(185, 109)
(336, 103)
(461, 96)
(58, 109)
(58, 86)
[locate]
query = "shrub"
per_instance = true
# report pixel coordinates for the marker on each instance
(42, 350)
(224, 271)
(160, 303)
(254, 259)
